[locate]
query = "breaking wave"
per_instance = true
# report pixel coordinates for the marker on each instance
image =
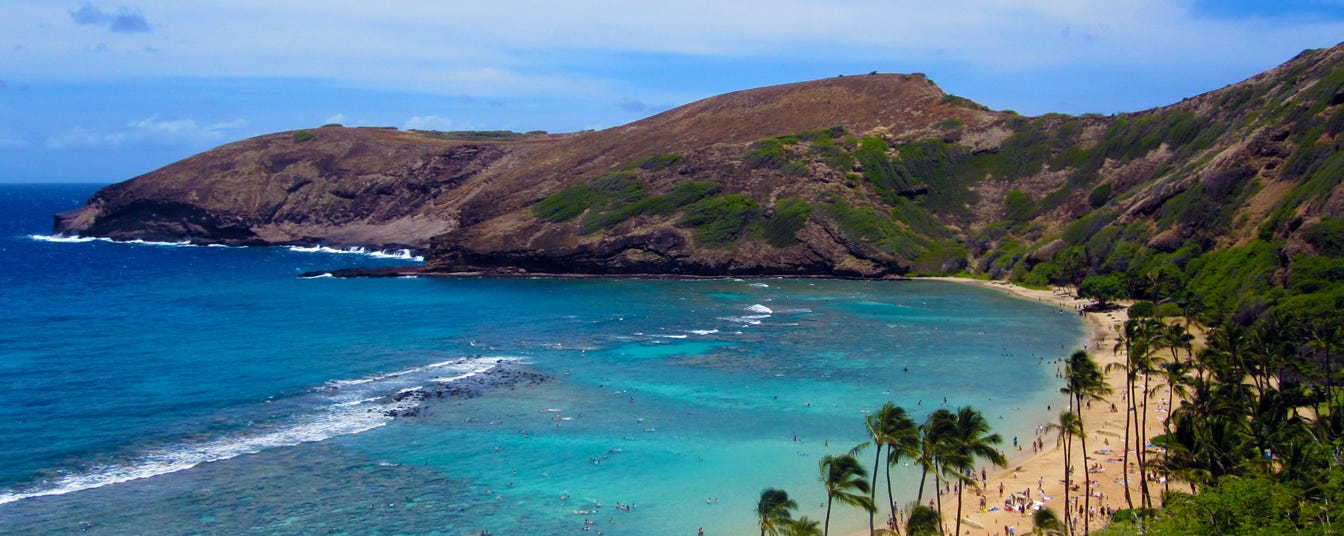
(349, 407)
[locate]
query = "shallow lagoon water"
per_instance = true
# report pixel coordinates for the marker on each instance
(681, 398)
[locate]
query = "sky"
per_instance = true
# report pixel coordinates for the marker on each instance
(102, 91)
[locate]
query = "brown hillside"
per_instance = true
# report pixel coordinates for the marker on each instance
(850, 176)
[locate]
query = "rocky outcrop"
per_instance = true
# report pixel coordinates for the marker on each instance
(367, 187)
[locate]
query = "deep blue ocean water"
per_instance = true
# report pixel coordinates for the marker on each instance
(168, 389)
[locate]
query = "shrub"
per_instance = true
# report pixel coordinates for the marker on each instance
(1327, 236)
(719, 220)
(1169, 309)
(684, 194)
(610, 193)
(872, 227)
(889, 178)
(565, 204)
(1018, 207)
(942, 257)
(659, 161)
(1099, 196)
(767, 154)
(301, 136)
(781, 230)
(950, 123)
(833, 155)
(1143, 309)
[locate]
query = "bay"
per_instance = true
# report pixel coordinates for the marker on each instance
(212, 390)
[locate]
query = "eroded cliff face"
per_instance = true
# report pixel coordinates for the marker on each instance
(861, 176)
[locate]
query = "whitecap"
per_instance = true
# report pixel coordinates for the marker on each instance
(63, 239)
(76, 239)
(350, 411)
(397, 254)
(183, 242)
(761, 309)
(752, 320)
(336, 420)
(704, 331)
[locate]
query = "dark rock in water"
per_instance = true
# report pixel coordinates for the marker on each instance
(501, 376)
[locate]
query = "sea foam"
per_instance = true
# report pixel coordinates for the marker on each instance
(396, 254)
(353, 406)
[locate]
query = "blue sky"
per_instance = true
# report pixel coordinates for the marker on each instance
(102, 91)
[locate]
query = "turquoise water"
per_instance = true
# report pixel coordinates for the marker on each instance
(176, 389)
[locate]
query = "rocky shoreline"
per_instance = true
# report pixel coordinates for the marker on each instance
(416, 271)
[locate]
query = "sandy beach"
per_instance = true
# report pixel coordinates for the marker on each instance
(1041, 473)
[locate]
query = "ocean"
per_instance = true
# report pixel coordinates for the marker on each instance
(173, 389)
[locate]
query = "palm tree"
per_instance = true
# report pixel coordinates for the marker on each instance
(843, 476)
(803, 527)
(1047, 522)
(774, 510)
(1174, 376)
(1137, 337)
(1084, 382)
(929, 445)
(924, 521)
(1068, 426)
(892, 428)
(971, 440)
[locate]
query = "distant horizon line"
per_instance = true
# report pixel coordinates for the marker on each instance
(48, 183)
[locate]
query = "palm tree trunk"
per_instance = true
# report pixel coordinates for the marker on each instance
(919, 497)
(1068, 464)
(1087, 476)
(1129, 415)
(1143, 443)
(891, 504)
(826, 528)
(1166, 430)
(938, 481)
(872, 489)
(960, 485)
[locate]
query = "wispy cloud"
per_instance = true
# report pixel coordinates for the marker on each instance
(11, 142)
(146, 133)
(428, 122)
(125, 20)
(525, 48)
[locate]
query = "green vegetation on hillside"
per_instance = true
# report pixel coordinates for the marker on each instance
(716, 220)
(479, 135)
(781, 229)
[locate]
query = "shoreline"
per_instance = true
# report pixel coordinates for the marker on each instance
(1042, 471)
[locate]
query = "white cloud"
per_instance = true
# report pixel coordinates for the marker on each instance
(11, 142)
(520, 46)
(428, 122)
(335, 119)
(581, 49)
(148, 132)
